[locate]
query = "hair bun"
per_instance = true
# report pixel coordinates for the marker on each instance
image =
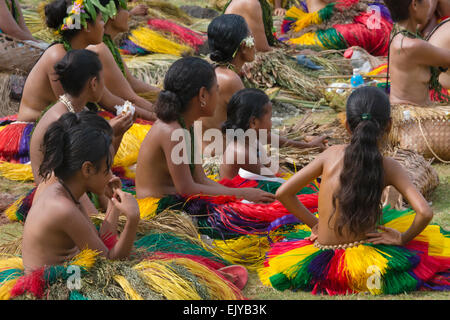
(217, 56)
(55, 12)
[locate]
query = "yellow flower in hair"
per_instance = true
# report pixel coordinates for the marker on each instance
(69, 21)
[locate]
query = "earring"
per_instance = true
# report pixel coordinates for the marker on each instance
(203, 104)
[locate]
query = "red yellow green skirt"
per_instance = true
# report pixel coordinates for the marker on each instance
(422, 264)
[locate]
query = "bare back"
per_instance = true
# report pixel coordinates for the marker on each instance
(153, 178)
(251, 11)
(441, 38)
(332, 164)
(409, 80)
(41, 88)
(44, 241)
(316, 5)
(36, 155)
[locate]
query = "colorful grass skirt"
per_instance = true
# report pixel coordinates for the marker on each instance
(422, 264)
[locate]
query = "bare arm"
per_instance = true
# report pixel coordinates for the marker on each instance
(424, 53)
(137, 85)
(186, 185)
(81, 232)
(288, 190)
(109, 101)
(397, 177)
(9, 26)
(119, 87)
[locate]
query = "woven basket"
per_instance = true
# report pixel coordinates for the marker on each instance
(17, 56)
(420, 171)
(425, 130)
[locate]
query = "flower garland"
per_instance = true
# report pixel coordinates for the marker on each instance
(83, 10)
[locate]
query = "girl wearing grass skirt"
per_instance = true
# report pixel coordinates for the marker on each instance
(355, 245)
(79, 155)
(81, 76)
(169, 171)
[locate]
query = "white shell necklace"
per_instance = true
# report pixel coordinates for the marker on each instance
(64, 100)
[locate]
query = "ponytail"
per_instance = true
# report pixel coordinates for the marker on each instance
(362, 176)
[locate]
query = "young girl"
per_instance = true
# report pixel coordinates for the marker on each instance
(80, 73)
(190, 91)
(249, 110)
(118, 78)
(344, 253)
(79, 154)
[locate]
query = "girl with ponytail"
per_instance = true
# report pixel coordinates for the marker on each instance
(78, 152)
(354, 237)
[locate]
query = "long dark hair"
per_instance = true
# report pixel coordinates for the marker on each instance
(182, 82)
(243, 106)
(76, 68)
(72, 140)
(362, 176)
(225, 34)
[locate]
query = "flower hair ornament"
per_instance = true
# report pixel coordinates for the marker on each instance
(82, 10)
(249, 43)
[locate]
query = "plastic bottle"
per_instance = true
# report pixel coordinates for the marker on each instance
(357, 80)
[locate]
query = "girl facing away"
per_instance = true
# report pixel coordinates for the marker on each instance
(350, 213)
(167, 165)
(79, 154)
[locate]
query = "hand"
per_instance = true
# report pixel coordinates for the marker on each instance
(389, 236)
(121, 124)
(112, 186)
(279, 12)
(139, 10)
(126, 204)
(314, 233)
(318, 142)
(257, 195)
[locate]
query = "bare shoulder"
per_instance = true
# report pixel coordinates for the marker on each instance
(245, 4)
(101, 49)
(228, 80)
(162, 131)
(54, 54)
